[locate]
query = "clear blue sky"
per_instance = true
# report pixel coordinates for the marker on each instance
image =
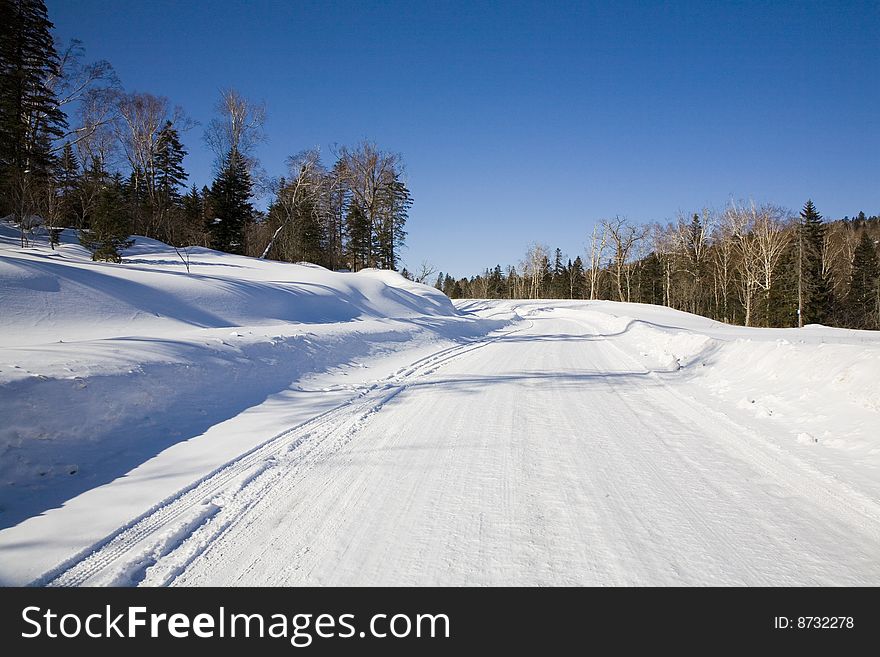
(530, 121)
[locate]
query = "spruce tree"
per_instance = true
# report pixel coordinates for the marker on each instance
(193, 205)
(68, 183)
(30, 116)
(449, 286)
(230, 201)
(815, 287)
(170, 174)
(783, 307)
(495, 287)
(357, 230)
(577, 279)
(558, 277)
(110, 227)
(170, 177)
(863, 298)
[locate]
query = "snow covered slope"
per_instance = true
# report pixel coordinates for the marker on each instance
(105, 366)
(262, 423)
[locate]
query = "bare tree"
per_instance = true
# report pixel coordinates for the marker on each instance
(92, 86)
(761, 236)
(238, 127)
(537, 256)
(307, 177)
(624, 236)
(141, 117)
(479, 286)
(840, 246)
(723, 268)
(368, 174)
(426, 271)
(595, 256)
(690, 248)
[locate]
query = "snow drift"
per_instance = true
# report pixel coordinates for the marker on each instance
(103, 366)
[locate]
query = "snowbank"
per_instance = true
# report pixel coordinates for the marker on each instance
(812, 390)
(104, 366)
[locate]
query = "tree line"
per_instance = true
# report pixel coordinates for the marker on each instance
(79, 151)
(755, 265)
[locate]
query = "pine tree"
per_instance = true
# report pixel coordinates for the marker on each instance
(110, 226)
(559, 284)
(230, 200)
(170, 174)
(449, 286)
(783, 307)
(193, 206)
(390, 236)
(815, 286)
(577, 279)
(649, 280)
(863, 298)
(495, 287)
(30, 117)
(168, 220)
(68, 183)
(357, 230)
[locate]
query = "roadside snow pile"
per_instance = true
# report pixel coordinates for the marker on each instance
(660, 339)
(103, 366)
(814, 388)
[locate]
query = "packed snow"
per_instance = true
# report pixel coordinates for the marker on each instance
(251, 422)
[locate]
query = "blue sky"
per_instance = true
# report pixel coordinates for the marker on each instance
(530, 121)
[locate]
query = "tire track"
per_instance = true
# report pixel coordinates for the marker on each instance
(233, 476)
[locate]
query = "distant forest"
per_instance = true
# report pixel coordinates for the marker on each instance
(78, 150)
(751, 265)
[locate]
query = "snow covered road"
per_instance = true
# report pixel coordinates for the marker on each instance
(551, 453)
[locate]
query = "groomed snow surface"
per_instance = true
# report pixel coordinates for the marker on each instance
(261, 423)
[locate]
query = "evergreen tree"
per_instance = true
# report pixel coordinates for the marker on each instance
(815, 287)
(110, 227)
(230, 200)
(449, 286)
(30, 116)
(170, 174)
(68, 183)
(193, 213)
(863, 298)
(783, 306)
(357, 230)
(559, 282)
(390, 235)
(495, 287)
(88, 191)
(167, 215)
(305, 239)
(577, 279)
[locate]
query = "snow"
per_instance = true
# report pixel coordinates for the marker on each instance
(255, 422)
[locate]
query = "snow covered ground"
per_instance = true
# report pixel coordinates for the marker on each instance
(262, 423)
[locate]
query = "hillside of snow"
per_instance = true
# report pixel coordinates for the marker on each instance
(103, 366)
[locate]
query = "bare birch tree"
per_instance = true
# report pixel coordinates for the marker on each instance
(595, 256)
(237, 127)
(760, 235)
(368, 174)
(623, 236)
(307, 177)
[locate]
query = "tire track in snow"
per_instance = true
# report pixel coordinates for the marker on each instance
(163, 528)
